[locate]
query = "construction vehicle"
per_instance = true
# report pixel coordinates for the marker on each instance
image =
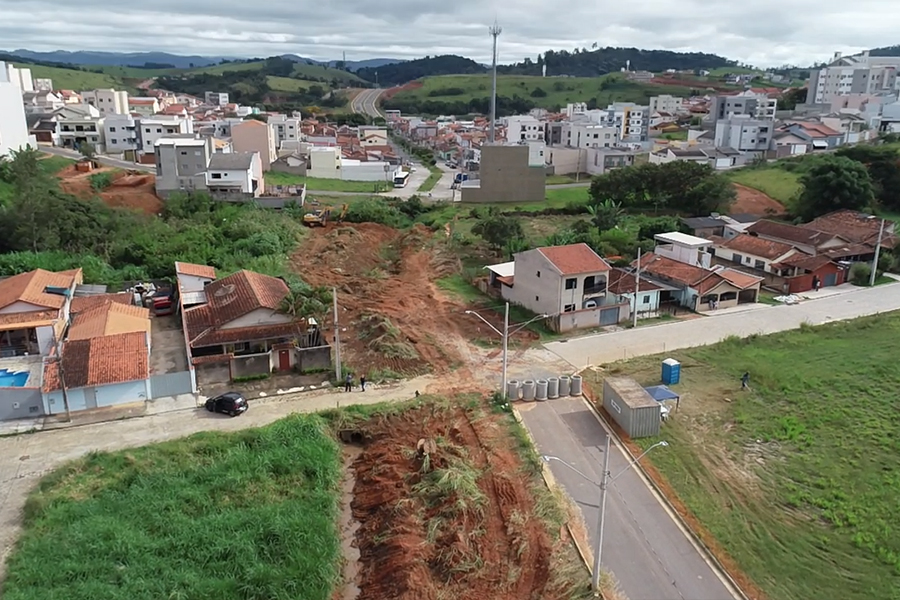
(321, 216)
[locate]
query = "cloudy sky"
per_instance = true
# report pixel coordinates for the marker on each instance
(761, 32)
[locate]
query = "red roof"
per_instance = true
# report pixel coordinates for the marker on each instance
(622, 282)
(756, 246)
(183, 268)
(31, 288)
(574, 259)
(82, 303)
(101, 361)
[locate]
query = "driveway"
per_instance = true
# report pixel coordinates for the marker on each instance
(610, 347)
(644, 547)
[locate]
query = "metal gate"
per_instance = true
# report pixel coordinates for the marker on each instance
(830, 279)
(609, 316)
(170, 384)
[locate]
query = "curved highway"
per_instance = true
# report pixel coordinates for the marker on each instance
(366, 101)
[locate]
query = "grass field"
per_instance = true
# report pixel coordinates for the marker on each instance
(326, 185)
(777, 183)
(798, 479)
(559, 90)
(434, 175)
(288, 84)
(228, 516)
(72, 79)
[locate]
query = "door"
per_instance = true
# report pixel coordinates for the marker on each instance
(830, 279)
(284, 360)
(90, 398)
(609, 316)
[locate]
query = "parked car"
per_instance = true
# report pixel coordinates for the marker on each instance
(230, 403)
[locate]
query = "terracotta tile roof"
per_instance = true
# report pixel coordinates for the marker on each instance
(81, 303)
(739, 279)
(622, 282)
(790, 233)
(29, 287)
(211, 359)
(710, 283)
(756, 246)
(667, 268)
(574, 259)
(804, 261)
(109, 319)
(248, 334)
(17, 320)
(850, 250)
(851, 225)
(230, 298)
(183, 268)
(101, 361)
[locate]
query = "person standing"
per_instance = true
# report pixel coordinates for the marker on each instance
(348, 383)
(362, 382)
(817, 283)
(745, 380)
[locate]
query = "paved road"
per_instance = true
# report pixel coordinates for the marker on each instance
(610, 347)
(650, 555)
(103, 160)
(366, 102)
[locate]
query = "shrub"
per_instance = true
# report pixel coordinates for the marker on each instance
(860, 274)
(100, 181)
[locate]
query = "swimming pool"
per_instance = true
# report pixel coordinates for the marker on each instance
(13, 378)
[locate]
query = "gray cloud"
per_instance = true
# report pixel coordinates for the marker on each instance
(762, 32)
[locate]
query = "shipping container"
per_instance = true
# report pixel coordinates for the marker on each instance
(631, 406)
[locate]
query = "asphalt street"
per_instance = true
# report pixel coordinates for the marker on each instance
(644, 547)
(366, 102)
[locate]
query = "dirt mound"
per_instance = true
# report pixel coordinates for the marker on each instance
(136, 191)
(391, 92)
(455, 521)
(392, 314)
(754, 202)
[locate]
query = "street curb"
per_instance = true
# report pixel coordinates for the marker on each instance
(721, 571)
(585, 553)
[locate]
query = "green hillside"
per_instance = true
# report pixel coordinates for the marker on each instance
(74, 79)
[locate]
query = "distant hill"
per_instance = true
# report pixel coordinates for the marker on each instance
(585, 63)
(885, 51)
(400, 73)
(118, 59)
(352, 65)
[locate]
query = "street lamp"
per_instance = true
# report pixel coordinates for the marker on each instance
(505, 335)
(603, 485)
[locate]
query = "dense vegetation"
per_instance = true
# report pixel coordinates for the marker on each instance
(590, 63)
(41, 227)
(400, 73)
(229, 516)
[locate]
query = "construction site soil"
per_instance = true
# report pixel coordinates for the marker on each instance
(132, 190)
(392, 315)
(754, 202)
(446, 510)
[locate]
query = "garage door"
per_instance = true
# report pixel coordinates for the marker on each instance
(609, 316)
(830, 279)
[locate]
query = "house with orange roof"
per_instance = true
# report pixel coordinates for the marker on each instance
(816, 136)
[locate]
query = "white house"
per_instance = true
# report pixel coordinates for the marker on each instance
(623, 285)
(79, 124)
(236, 173)
(372, 136)
(684, 248)
(754, 252)
(665, 103)
(524, 128)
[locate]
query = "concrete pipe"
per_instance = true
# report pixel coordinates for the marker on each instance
(576, 386)
(512, 390)
(552, 388)
(528, 390)
(540, 390)
(565, 385)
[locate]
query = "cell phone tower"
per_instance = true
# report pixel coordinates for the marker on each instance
(495, 30)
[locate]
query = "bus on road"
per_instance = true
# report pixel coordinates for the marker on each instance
(401, 178)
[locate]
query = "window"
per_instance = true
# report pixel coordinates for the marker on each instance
(114, 141)
(184, 152)
(747, 259)
(571, 283)
(538, 273)
(569, 308)
(32, 409)
(646, 299)
(112, 129)
(216, 175)
(159, 130)
(147, 130)
(760, 265)
(537, 298)
(197, 153)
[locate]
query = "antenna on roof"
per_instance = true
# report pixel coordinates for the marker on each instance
(495, 30)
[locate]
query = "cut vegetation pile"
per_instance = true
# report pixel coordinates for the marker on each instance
(396, 319)
(241, 516)
(447, 509)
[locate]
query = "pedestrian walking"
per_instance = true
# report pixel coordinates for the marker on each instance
(348, 383)
(817, 283)
(745, 380)
(362, 382)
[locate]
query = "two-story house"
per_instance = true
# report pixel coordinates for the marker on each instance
(235, 174)
(80, 124)
(568, 283)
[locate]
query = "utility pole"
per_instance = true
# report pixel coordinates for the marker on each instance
(60, 370)
(505, 347)
(877, 251)
(337, 338)
(495, 30)
(604, 483)
(637, 284)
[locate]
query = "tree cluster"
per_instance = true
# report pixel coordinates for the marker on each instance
(505, 106)
(400, 73)
(687, 188)
(834, 183)
(591, 63)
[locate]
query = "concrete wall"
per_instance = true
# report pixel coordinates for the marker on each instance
(539, 294)
(255, 136)
(20, 403)
(290, 164)
(589, 318)
(354, 170)
(506, 177)
(96, 397)
(309, 359)
(192, 283)
(252, 364)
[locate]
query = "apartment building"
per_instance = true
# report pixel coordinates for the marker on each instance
(255, 136)
(632, 121)
(144, 106)
(13, 126)
(666, 104)
(40, 102)
(120, 133)
(744, 133)
(79, 124)
(588, 135)
(748, 103)
(215, 98)
(107, 101)
(21, 78)
(860, 74)
(181, 164)
(235, 174)
(524, 129)
(43, 85)
(152, 129)
(286, 130)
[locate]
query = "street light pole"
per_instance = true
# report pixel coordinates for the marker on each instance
(877, 250)
(603, 485)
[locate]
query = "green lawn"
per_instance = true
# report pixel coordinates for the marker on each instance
(72, 79)
(559, 90)
(240, 515)
(326, 185)
(676, 135)
(561, 179)
(560, 197)
(777, 183)
(434, 176)
(288, 84)
(798, 479)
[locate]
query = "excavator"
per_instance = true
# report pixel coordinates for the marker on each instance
(320, 217)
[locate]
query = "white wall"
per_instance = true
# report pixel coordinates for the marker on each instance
(683, 254)
(325, 163)
(13, 128)
(261, 316)
(45, 339)
(354, 170)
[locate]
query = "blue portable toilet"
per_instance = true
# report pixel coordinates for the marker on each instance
(671, 371)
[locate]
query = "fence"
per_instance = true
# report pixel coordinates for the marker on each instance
(171, 384)
(251, 364)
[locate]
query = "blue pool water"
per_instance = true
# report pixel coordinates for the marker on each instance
(13, 379)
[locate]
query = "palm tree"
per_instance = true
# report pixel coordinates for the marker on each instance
(605, 215)
(303, 302)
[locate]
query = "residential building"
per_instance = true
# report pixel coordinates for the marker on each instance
(566, 283)
(13, 126)
(181, 164)
(717, 158)
(507, 174)
(80, 124)
(143, 106)
(666, 104)
(631, 120)
(41, 102)
(723, 226)
(19, 77)
(240, 322)
(286, 131)
(856, 227)
(371, 136)
(326, 162)
(255, 136)
(152, 129)
(800, 137)
(524, 129)
(214, 98)
(744, 133)
(44, 128)
(121, 135)
(107, 101)
(860, 74)
(624, 287)
(744, 104)
(753, 252)
(43, 85)
(684, 248)
(589, 135)
(235, 174)
(807, 240)
(69, 97)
